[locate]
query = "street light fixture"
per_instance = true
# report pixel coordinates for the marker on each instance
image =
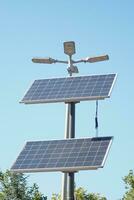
(44, 60)
(69, 49)
(96, 59)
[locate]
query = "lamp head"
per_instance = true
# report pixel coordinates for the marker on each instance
(69, 48)
(43, 60)
(96, 59)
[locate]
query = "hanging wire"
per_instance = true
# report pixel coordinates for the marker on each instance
(96, 119)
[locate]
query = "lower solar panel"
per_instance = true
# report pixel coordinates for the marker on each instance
(63, 155)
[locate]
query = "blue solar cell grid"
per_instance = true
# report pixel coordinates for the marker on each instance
(70, 89)
(63, 155)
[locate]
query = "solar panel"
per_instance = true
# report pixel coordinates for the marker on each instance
(70, 89)
(63, 155)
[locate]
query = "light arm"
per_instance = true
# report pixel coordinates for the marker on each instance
(47, 61)
(93, 59)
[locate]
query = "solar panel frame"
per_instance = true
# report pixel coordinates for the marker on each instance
(78, 165)
(68, 95)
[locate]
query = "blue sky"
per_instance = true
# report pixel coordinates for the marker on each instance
(39, 28)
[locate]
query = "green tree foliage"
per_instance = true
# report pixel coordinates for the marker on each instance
(129, 185)
(1, 196)
(56, 196)
(14, 187)
(81, 194)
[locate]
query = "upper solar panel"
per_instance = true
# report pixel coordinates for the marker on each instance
(63, 155)
(70, 89)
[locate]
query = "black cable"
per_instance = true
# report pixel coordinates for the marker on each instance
(96, 119)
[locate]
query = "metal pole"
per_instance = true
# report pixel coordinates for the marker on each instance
(70, 175)
(64, 176)
(72, 120)
(68, 178)
(70, 186)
